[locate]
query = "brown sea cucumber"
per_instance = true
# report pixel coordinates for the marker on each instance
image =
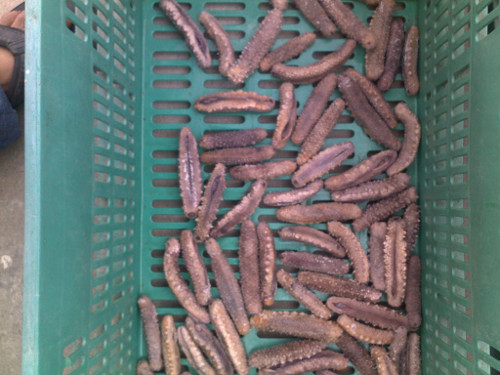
(170, 349)
(364, 332)
(411, 217)
(365, 115)
(176, 283)
(151, 331)
(234, 101)
(269, 170)
(238, 155)
(142, 368)
(339, 286)
(327, 160)
(242, 210)
(210, 202)
(384, 208)
(227, 284)
(303, 295)
(385, 365)
(227, 334)
(296, 324)
(412, 360)
(373, 190)
(362, 172)
(377, 315)
(287, 117)
(258, 46)
(248, 255)
(357, 354)
(267, 264)
(233, 138)
(410, 61)
(314, 107)
(314, 262)
(314, 72)
(355, 251)
(287, 51)
(221, 39)
(378, 232)
(294, 196)
(316, 138)
(211, 346)
(413, 299)
(374, 96)
(196, 268)
(280, 354)
(190, 182)
(411, 139)
(398, 345)
(395, 258)
(323, 360)
(313, 237)
(316, 15)
(279, 4)
(318, 213)
(348, 23)
(192, 34)
(380, 26)
(393, 54)
(193, 353)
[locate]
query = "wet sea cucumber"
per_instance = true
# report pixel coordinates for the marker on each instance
(269, 170)
(364, 332)
(395, 258)
(357, 354)
(385, 365)
(151, 331)
(190, 182)
(238, 155)
(411, 217)
(313, 262)
(196, 268)
(413, 300)
(294, 196)
(142, 368)
(170, 349)
(324, 360)
(410, 61)
(267, 264)
(378, 232)
(287, 117)
(316, 15)
(398, 345)
(233, 138)
(193, 353)
(318, 213)
(313, 237)
(393, 54)
(234, 101)
(287, 51)
(248, 255)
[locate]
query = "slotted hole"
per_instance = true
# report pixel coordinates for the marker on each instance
(224, 6)
(171, 55)
(223, 119)
(161, 84)
(221, 84)
(171, 104)
(171, 69)
(165, 119)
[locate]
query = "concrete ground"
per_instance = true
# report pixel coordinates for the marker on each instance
(11, 245)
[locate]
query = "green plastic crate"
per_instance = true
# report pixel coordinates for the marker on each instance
(103, 109)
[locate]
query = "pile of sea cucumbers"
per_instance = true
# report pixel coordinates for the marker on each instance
(373, 309)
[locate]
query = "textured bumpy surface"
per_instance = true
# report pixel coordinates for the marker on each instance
(114, 197)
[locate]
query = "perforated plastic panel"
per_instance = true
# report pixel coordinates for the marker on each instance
(108, 98)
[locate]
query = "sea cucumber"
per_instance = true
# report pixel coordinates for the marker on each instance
(380, 26)
(411, 217)
(314, 72)
(258, 46)
(221, 39)
(322, 163)
(361, 172)
(357, 354)
(373, 190)
(411, 139)
(398, 345)
(384, 208)
(303, 295)
(196, 268)
(227, 334)
(393, 54)
(234, 101)
(316, 15)
(296, 324)
(287, 51)
(323, 360)
(366, 116)
(248, 255)
(233, 138)
(317, 136)
(170, 349)
(238, 155)
(412, 361)
(193, 353)
(190, 182)
(355, 251)
(364, 332)
(313, 237)
(267, 264)
(192, 34)
(151, 331)
(287, 117)
(395, 257)
(269, 170)
(142, 368)
(294, 196)
(339, 286)
(178, 286)
(242, 210)
(210, 202)
(318, 213)
(377, 315)
(378, 232)
(413, 301)
(385, 365)
(410, 61)
(228, 286)
(314, 262)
